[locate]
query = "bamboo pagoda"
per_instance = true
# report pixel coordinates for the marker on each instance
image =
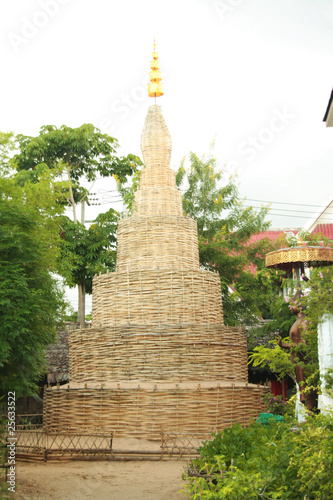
(158, 355)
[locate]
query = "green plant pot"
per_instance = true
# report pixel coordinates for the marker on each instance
(265, 418)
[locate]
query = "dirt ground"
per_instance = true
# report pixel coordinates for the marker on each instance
(113, 480)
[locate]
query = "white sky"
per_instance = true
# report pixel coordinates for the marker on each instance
(256, 75)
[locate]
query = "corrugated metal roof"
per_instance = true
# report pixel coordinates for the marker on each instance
(272, 235)
(328, 107)
(326, 229)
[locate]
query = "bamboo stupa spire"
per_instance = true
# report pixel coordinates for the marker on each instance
(155, 87)
(158, 355)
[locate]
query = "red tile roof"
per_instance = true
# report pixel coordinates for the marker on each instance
(272, 235)
(326, 229)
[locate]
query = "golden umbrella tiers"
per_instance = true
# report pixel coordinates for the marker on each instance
(287, 258)
(155, 87)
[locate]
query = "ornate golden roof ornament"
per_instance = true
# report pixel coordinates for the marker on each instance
(300, 241)
(286, 257)
(155, 87)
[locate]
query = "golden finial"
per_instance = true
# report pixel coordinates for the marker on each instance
(155, 87)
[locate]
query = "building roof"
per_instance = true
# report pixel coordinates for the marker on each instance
(322, 222)
(272, 234)
(328, 118)
(326, 229)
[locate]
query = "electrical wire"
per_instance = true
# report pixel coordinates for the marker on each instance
(287, 203)
(110, 196)
(105, 191)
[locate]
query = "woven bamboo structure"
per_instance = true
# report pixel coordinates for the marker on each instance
(170, 352)
(158, 354)
(143, 410)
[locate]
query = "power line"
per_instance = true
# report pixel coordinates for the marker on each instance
(272, 211)
(295, 216)
(293, 212)
(329, 219)
(104, 191)
(282, 209)
(288, 203)
(107, 200)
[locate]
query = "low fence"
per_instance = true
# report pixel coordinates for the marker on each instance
(36, 444)
(29, 419)
(182, 444)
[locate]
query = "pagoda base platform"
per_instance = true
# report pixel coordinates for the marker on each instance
(145, 409)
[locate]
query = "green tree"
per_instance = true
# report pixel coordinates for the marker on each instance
(7, 144)
(127, 190)
(207, 197)
(277, 359)
(86, 252)
(30, 298)
(225, 227)
(82, 153)
(315, 299)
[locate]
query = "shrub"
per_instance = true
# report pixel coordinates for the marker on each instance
(275, 404)
(283, 460)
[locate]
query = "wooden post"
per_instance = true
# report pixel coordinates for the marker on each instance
(81, 286)
(283, 390)
(82, 312)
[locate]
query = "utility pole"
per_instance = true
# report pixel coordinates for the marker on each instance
(83, 210)
(82, 285)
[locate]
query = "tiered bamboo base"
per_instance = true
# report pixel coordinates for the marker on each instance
(137, 380)
(158, 200)
(169, 352)
(157, 242)
(144, 409)
(157, 297)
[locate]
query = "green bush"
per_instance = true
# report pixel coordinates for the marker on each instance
(282, 460)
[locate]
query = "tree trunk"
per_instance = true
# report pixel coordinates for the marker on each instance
(71, 196)
(283, 390)
(82, 312)
(81, 286)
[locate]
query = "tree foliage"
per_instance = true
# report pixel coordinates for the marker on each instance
(85, 150)
(317, 296)
(82, 153)
(213, 203)
(128, 189)
(30, 298)
(225, 227)
(315, 299)
(266, 462)
(7, 145)
(87, 251)
(276, 359)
